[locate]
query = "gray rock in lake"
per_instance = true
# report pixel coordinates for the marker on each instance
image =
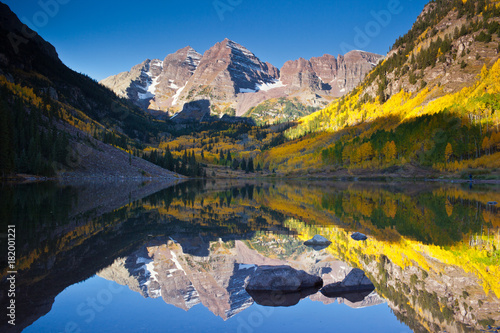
(279, 298)
(355, 282)
(318, 240)
(359, 236)
(282, 278)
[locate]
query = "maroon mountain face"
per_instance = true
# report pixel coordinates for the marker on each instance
(327, 75)
(225, 70)
(234, 80)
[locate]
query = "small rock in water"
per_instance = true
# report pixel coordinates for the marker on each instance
(318, 240)
(359, 236)
(355, 283)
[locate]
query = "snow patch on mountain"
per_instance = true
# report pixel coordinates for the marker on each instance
(149, 91)
(263, 86)
(151, 269)
(244, 90)
(172, 84)
(177, 263)
(178, 94)
(268, 86)
(247, 266)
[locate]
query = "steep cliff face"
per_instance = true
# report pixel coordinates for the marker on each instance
(299, 74)
(177, 70)
(139, 83)
(353, 67)
(327, 75)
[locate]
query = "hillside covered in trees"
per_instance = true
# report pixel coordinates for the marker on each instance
(432, 103)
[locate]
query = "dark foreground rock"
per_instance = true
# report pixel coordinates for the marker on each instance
(355, 287)
(282, 278)
(278, 298)
(359, 236)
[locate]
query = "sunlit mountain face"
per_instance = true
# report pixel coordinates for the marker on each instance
(432, 252)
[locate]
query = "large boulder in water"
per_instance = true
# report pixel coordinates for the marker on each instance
(278, 298)
(282, 278)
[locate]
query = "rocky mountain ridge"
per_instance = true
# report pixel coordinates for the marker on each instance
(455, 40)
(234, 80)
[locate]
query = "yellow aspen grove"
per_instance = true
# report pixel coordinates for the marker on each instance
(389, 151)
(486, 145)
(448, 152)
(366, 151)
(495, 141)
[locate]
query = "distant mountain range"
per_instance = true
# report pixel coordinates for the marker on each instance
(234, 80)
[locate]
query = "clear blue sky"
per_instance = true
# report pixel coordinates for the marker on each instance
(105, 37)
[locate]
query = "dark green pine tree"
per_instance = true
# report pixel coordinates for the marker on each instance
(169, 160)
(6, 141)
(250, 167)
(221, 156)
(236, 164)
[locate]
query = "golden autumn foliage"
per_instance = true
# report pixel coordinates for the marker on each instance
(389, 151)
(448, 152)
(348, 119)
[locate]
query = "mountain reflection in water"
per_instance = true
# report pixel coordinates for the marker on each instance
(432, 251)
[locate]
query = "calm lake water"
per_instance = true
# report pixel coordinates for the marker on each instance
(138, 257)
